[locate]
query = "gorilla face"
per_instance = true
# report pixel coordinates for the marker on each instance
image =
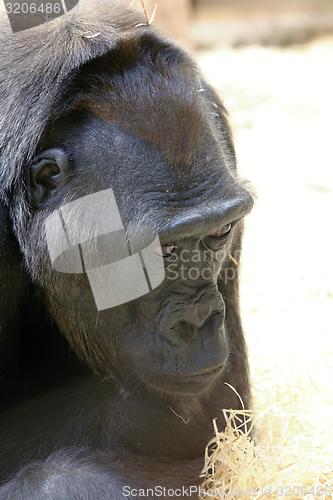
(167, 170)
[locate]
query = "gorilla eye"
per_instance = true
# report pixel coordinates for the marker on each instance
(220, 233)
(47, 172)
(168, 249)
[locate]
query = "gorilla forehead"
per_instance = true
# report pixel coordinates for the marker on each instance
(149, 95)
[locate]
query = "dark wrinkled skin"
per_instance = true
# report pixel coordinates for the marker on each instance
(137, 409)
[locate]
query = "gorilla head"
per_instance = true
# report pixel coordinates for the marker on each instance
(133, 116)
(135, 121)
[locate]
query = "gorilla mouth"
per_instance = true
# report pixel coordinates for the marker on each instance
(186, 384)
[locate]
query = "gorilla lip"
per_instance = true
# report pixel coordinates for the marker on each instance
(199, 373)
(185, 383)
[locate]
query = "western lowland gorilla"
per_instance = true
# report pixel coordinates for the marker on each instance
(123, 398)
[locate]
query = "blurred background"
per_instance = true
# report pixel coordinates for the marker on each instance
(272, 63)
(207, 23)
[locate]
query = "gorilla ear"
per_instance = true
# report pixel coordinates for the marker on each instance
(47, 173)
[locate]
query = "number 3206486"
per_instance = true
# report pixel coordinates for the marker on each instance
(33, 8)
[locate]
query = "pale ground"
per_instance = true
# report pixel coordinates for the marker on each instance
(281, 105)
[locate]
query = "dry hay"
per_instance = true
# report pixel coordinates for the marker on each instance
(290, 455)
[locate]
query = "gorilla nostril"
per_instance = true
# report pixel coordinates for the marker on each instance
(187, 330)
(213, 324)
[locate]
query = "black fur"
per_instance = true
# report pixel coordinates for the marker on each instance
(128, 109)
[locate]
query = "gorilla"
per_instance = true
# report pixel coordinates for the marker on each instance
(110, 402)
(13, 289)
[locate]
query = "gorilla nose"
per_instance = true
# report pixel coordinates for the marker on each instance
(209, 218)
(193, 326)
(199, 350)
